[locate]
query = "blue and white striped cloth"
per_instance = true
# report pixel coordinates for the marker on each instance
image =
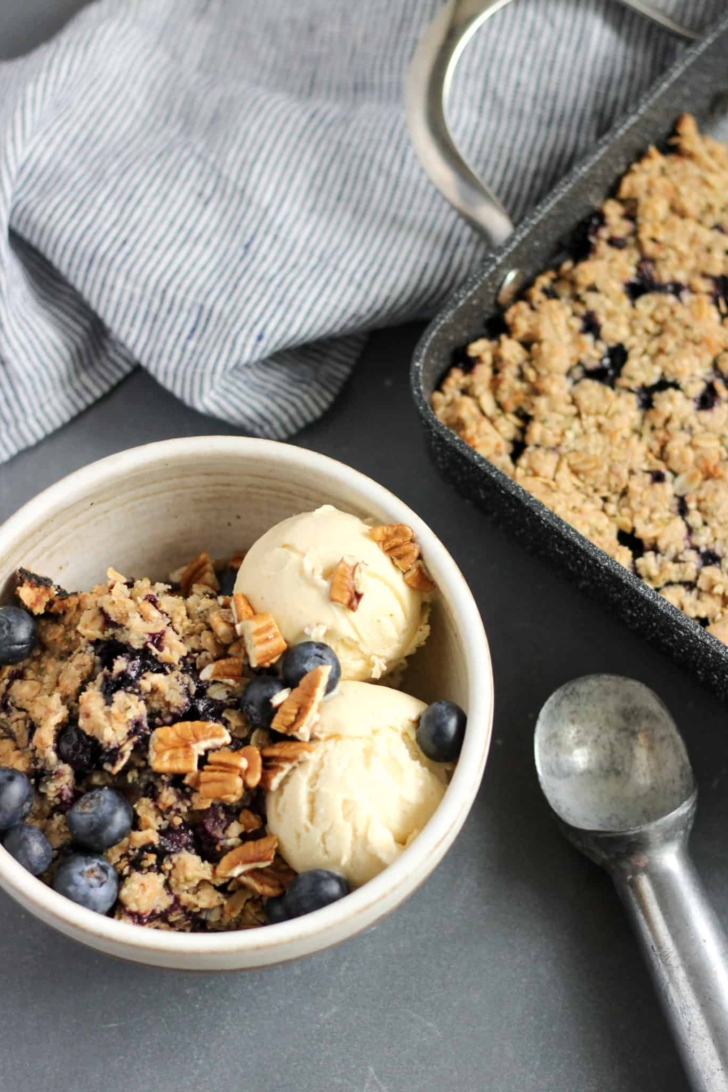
(223, 192)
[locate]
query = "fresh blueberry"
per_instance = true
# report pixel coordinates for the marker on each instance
(298, 660)
(18, 634)
(227, 580)
(16, 797)
(275, 909)
(100, 819)
(78, 750)
(255, 702)
(90, 881)
(312, 890)
(30, 847)
(441, 731)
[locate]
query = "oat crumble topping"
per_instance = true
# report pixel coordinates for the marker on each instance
(605, 392)
(134, 685)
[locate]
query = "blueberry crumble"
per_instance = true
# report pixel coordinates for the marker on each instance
(84, 754)
(605, 395)
(203, 754)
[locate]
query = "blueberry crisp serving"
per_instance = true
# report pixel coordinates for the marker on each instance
(605, 391)
(217, 752)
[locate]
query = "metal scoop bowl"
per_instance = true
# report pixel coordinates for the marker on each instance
(615, 771)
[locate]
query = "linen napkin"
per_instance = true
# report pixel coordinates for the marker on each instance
(223, 191)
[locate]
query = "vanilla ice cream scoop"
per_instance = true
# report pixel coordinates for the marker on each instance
(288, 573)
(364, 792)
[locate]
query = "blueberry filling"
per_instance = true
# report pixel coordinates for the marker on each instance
(156, 640)
(657, 476)
(645, 282)
(590, 324)
(495, 327)
(203, 707)
(635, 545)
(78, 750)
(610, 367)
(618, 242)
(682, 507)
(720, 294)
(176, 840)
(584, 235)
(709, 397)
(645, 395)
(550, 292)
(709, 557)
(210, 833)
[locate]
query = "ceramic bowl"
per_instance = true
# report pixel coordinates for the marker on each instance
(148, 510)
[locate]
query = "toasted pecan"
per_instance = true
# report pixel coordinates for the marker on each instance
(263, 641)
(398, 542)
(254, 767)
(279, 758)
(174, 748)
(199, 571)
(299, 712)
(242, 609)
(418, 578)
(257, 854)
(221, 624)
(230, 668)
(271, 881)
(346, 586)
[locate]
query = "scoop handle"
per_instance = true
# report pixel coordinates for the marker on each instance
(687, 952)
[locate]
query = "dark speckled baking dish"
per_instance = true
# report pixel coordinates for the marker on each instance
(697, 83)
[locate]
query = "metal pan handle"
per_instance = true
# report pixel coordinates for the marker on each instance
(429, 80)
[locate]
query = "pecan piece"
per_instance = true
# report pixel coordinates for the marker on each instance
(237, 559)
(199, 571)
(221, 624)
(254, 767)
(231, 668)
(263, 641)
(269, 881)
(398, 542)
(249, 821)
(281, 757)
(174, 749)
(249, 855)
(347, 583)
(222, 777)
(299, 712)
(242, 610)
(419, 579)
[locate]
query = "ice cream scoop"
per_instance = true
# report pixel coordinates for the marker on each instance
(615, 771)
(288, 573)
(364, 792)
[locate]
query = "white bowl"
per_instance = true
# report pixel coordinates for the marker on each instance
(148, 510)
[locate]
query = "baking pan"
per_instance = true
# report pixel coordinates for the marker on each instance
(697, 83)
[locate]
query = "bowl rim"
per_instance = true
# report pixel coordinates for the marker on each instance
(395, 878)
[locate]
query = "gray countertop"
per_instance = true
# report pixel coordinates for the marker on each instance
(512, 969)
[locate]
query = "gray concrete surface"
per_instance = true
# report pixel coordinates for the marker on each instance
(511, 970)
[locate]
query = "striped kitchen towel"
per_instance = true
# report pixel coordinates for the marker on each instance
(222, 191)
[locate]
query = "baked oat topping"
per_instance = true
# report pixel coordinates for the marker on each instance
(298, 714)
(347, 583)
(605, 392)
(122, 690)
